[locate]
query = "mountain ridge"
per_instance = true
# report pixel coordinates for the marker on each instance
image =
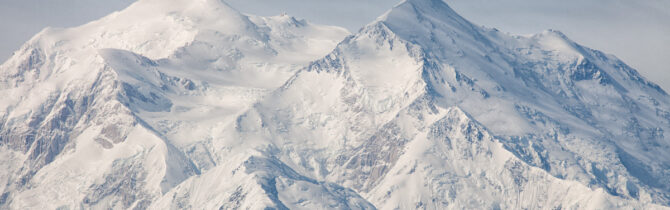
(592, 71)
(101, 99)
(419, 109)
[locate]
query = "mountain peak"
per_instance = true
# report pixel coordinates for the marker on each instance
(149, 106)
(422, 10)
(197, 9)
(184, 3)
(426, 22)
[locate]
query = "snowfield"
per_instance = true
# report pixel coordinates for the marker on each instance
(173, 104)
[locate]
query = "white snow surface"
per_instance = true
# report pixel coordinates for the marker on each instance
(173, 104)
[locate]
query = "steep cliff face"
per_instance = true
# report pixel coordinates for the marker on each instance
(190, 104)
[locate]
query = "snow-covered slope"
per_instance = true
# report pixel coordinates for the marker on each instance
(189, 104)
(104, 114)
(423, 109)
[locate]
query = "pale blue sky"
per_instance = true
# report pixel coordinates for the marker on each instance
(636, 31)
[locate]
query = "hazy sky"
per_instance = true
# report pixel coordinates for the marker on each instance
(637, 31)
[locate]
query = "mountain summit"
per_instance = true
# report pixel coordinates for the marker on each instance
(170, 106)
(106, 114)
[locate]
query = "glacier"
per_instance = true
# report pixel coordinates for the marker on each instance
(191, 104)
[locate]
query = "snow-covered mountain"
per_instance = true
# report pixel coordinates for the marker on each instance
(119, 111)
(190, 104)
